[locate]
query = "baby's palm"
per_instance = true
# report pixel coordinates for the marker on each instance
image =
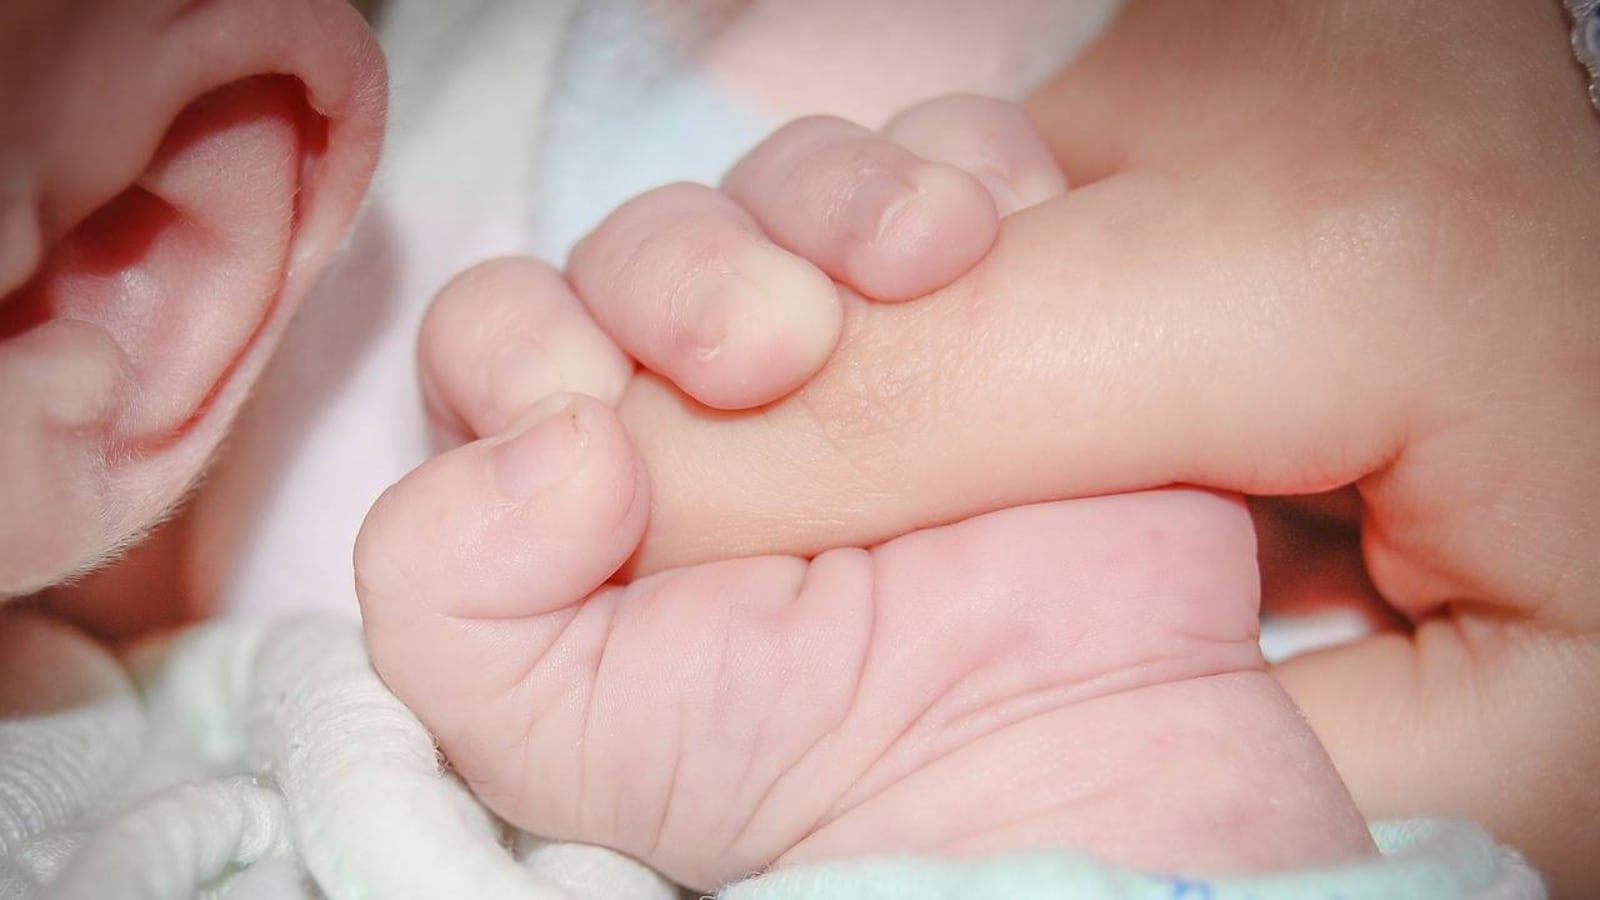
(1080, 674)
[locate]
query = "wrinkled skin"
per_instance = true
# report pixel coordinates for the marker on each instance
(1080, 674)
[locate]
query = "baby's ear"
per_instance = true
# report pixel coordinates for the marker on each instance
(180, 269)
(141, 323)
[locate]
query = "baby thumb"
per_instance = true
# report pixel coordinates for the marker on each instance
(471, 566)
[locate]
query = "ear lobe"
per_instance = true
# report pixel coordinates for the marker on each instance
(183, 267)
(115, 353)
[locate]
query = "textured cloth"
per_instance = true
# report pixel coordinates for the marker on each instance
(272, 763)
(300, 776)
(1421, 860)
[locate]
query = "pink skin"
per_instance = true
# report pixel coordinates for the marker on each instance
(728, 293)
(174, 177)
(1081, 674)
(803, 203)
(866, 210)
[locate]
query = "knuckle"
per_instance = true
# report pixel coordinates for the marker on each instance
(767, 172)
(486, 303)
(616, 241)
(666, 271)
(659, 242)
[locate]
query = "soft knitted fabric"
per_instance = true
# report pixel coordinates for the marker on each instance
(309, 779)
(1421, 860)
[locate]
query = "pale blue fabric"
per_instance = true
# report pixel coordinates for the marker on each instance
(625, 115)
(1421, 860)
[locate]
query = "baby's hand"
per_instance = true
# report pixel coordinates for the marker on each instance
(738, 296)
(1075, 675)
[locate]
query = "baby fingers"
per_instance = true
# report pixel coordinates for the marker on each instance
(474, 563)
(734, 296)
(501, 337)
(991, 140)
(867, 211)
(686, 282)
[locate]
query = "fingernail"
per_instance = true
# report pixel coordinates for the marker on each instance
(927, 187)
(710, 314)
(889, 221)
(877, 205)
(765, 291)
(545, 451)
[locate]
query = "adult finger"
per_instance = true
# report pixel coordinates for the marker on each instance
(1137, 314)
(1471, 715)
